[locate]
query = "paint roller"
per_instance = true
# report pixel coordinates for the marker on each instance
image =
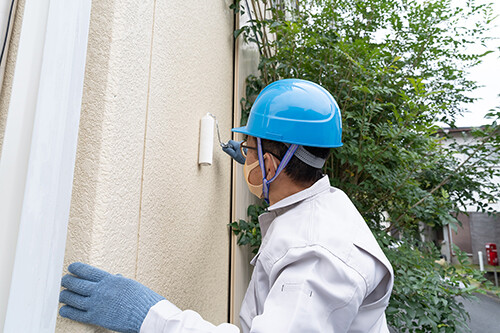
(207, 127)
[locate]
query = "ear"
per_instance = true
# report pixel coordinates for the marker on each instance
(271, 165)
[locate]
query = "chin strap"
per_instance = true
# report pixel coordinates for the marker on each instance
(288, 156)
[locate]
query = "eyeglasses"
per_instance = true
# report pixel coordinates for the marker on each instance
(244, 147)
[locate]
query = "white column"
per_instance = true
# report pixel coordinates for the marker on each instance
(36, 169)
(481, 264)
(17, 139)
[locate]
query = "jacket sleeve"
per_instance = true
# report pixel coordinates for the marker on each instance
(164, 317)
(310, 290)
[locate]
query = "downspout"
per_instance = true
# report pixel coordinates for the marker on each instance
(7, 14)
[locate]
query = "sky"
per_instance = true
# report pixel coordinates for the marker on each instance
(486, 74)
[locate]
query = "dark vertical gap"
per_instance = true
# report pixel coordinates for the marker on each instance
(144, 144)
(230, 289)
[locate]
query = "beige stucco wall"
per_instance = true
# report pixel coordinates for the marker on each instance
(141, 205)
(8, 78)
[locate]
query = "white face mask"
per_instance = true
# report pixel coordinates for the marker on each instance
(254, 189)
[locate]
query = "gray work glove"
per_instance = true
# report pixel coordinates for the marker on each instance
(232, 148)
(96, 297)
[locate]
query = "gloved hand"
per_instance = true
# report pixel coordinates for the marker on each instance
(96, 297)
(233, 150)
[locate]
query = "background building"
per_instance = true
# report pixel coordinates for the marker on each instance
(477, 228)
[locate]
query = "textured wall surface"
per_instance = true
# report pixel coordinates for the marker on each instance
(9, 68)
(183, 238)
(141, 205)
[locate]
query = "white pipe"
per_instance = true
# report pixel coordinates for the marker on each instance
(37, 162)
(4, 15)
(481, 264)
(6, 31)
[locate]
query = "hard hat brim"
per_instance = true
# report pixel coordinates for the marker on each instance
(242, 129)
(246, 131)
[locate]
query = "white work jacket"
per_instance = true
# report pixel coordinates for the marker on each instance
(319, 269)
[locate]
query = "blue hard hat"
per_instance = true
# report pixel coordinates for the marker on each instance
(297, 112)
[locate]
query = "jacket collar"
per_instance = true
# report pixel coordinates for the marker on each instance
(318, 187)
(289, 202)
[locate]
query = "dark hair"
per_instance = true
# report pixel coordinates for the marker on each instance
(297, 170)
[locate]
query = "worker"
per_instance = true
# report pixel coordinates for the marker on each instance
(318, 269)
